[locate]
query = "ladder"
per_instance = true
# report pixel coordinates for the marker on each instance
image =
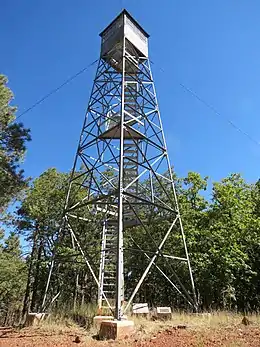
(107, 271)
(130, 173)
(130, 152)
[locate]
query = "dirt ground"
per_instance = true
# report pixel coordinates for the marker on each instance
(150, 335)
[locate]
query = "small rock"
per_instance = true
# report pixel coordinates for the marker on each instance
(168, 332)
(245, 321)
(181, 326)
(77, 339)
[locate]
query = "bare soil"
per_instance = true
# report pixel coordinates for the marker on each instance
(236, 336)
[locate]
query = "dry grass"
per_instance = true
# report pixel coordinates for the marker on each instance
(199, 322)
(212, 325)
(147, 328)
(215, 319)
(214, 329)
(57, 325)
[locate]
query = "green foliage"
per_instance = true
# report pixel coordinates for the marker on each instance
(12, 245)
(44, 202)
(13, 274)
(39, 217)
(13, 137)
(223, 238)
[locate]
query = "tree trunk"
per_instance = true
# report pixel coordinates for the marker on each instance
(26, 302)
(84, 286)
(76, 292)
(34, 303)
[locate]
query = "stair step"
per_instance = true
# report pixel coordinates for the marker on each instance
(109, 291)
(109, 278)
(129, 144)
(111, 262)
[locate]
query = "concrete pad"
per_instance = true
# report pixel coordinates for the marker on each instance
(116, 330)
(140, 309)
(164, 313)
(34, 318)
(98, 319)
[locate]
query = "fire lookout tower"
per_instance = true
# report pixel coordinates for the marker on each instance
(121, 182)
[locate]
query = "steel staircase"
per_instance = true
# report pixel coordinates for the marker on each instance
(107, 273)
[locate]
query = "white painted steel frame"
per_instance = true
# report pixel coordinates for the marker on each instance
(97, 152)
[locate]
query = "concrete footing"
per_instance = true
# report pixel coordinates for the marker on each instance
(164, 313)
(98, 319)
(116, 330)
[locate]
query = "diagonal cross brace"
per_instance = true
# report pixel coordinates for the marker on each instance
(150, 264)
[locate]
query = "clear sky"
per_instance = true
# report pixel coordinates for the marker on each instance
(212, 47)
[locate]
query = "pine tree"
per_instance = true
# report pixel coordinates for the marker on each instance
(13, 138)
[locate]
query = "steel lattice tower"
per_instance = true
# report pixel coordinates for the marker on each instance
(122, 167)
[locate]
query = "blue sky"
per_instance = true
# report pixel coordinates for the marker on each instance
(212, 47)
